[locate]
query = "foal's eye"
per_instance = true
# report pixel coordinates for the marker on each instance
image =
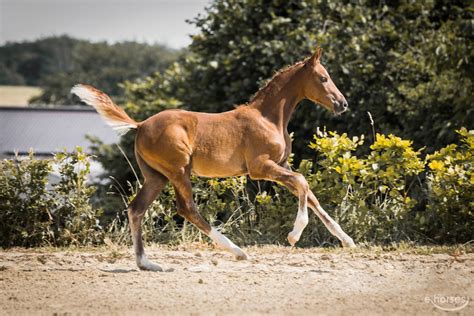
(324, 79)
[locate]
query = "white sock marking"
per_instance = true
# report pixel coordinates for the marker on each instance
(145, 264)
(300, 222)
(224, 243)
(335, 229)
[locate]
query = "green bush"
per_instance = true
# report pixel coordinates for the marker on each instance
(75, 222)
(374, 196)
(25, 203)
(407, 62)
(35, 212)
(369, 196)
(449, 215)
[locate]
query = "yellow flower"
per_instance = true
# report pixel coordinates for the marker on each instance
(436, 165)
(263, 198)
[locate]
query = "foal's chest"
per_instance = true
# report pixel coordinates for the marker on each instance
(277, 148)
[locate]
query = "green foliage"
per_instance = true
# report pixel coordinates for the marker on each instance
(148, 96)
(35, 212)
(25, 204)
(57, 63)
(449, 215)
(28, 62)
(408, 63)
(369, 196)
(75, 222)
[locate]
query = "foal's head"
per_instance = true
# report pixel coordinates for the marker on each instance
(318, 86)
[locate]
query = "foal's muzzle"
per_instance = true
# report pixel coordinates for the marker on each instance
(340, 106)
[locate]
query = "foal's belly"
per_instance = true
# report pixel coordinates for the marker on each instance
(217, 167)
(218, 148)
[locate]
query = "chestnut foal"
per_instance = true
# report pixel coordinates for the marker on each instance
(251, 139)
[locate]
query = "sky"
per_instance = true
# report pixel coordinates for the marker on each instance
(151, 21)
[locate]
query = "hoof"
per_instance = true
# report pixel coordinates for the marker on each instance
(349, 243)
(240, 255)
(292, 239)
(146, 265)
(151, 267)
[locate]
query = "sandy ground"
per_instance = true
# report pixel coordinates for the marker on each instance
(276, 281)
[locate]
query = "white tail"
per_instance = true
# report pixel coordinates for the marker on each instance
(111, 113)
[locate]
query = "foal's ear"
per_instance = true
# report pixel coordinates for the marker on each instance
(313, 60)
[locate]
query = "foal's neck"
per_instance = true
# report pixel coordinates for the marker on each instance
(279, 98)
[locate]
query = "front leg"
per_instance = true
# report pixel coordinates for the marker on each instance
(302, 217)
(297, 184)
(301, 220)
(330, 224)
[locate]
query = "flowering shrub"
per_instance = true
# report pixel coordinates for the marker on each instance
(449, 215)
(375, 197)
(368, 196)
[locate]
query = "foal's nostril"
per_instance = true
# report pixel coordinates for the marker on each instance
(340, 106)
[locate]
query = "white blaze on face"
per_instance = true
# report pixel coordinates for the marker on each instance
(224, 243)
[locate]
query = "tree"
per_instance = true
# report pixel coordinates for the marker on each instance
(407, 63)
(26, 63)
(57, 63)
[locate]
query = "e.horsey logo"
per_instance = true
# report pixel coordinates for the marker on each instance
(448, 303)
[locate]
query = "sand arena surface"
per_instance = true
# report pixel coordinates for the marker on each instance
(275, 281)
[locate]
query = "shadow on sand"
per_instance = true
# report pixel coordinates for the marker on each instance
(119, 270)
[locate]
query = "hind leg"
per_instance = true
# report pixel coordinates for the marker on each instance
(187, 209)
(152, 186)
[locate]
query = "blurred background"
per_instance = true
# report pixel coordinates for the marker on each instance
(408, 63)
(47, 46)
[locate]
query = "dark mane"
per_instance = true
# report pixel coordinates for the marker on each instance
(263, 90)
